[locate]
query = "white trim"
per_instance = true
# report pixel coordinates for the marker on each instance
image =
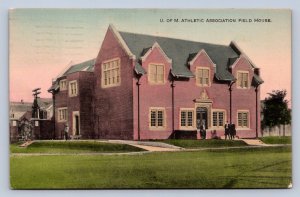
(151, 82)
(243, 54)
(58, 115)
(187, 128)
(158, 128)
(156, 45)
(196, 76)
(102, 73)
(121, 41)
(212, 118)
(237, 119)
(198, 54)
(61, 88)
(238, 85)
(74, 113)
(208, 106)
(238, 59)
(70, 89)
(14, 123)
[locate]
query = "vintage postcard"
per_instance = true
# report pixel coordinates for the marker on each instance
(150, 98)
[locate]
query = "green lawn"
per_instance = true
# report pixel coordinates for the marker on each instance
(235, 168)
(277, 140)
(205, 143)
(72, 147)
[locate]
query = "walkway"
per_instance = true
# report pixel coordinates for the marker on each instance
(25, 144)
(256, 142)
(148, 145)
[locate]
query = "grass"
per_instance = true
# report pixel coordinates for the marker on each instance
(277, 139)
(205, 143)
(268, 167)
(72, 147)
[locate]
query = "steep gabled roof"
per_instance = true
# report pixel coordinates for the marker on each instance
(20, 106)
(180, 51)
(44, 103)
(87, 66)
(84, 66)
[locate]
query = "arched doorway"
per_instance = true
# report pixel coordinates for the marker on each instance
(201, 117)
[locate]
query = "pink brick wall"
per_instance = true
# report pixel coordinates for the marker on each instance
(152, 95)
(245, 99)
(86, 89)
(81, 103)
(112, 113)
(113, 106)
(185, 92)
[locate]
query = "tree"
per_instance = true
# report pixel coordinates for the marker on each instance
(276, 111)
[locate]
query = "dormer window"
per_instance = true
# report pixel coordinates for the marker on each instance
(156, 73)
(242, 79)
(63, 84)
(202, 76)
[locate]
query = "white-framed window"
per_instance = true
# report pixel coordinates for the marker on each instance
(111, 73)
(218, 118)
(202, 76)
(186, 118)
(73, 88)
(157, 118)
(156, 73)
(243, 119)
(62, 114)
(14, 123)
(63, 84)
(242, 79)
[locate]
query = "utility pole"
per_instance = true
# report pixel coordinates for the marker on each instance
(35, 106)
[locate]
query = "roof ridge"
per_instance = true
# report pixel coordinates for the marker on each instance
(180, 39)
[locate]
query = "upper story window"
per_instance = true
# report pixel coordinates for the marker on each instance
(73, 88)
(243, 79)
(63, 84)
(156, 73)
(111, 73)
(62, 114)
(202, 76)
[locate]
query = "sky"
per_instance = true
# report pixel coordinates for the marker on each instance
(44, 42)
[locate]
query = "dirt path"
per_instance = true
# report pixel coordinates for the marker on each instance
(25, 144)
(149, 146)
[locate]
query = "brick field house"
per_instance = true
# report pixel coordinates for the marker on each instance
(149, 87)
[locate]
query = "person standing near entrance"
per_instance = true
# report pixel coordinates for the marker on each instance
(226, 127)
(198, 128)
(66, 131)
(203, 130)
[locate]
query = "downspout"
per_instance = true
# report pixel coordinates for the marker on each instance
(256, 108)
(230, 100)
(138, 89)
(54, 126)
(173, 110)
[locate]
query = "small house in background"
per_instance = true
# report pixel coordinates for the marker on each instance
(22, 124)
(149, 87)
